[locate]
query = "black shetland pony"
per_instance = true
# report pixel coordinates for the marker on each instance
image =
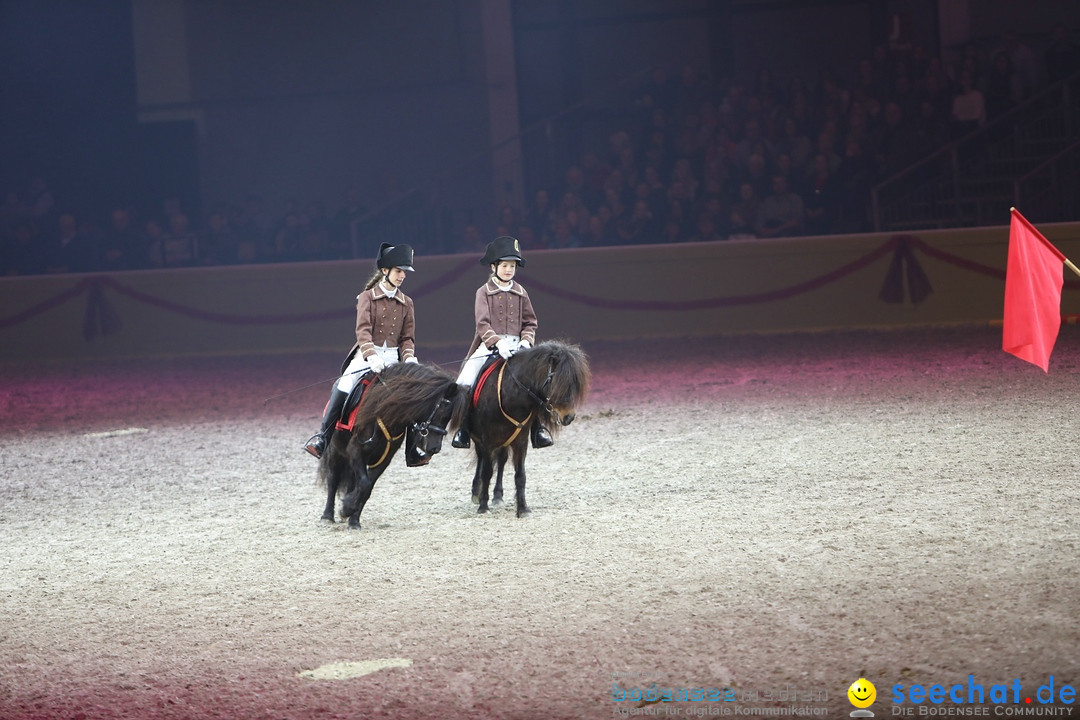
(407, 402)
(545, 383)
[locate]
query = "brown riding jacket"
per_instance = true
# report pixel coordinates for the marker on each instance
(381, 319)
(502, 312)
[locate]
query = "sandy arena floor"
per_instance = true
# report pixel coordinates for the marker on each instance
(769, 515)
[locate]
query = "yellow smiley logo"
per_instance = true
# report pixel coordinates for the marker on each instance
(862, 693)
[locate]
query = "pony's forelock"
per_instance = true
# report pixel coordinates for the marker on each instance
(571, 377)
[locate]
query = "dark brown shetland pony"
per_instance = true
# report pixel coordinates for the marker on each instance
(408, 402)
(545, 384)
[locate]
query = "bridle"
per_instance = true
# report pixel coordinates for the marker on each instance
(428, 426)
(539, 399)
(422, 429)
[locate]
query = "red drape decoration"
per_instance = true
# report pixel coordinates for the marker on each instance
(1033, 280)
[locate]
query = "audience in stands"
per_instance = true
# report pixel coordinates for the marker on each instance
(694, 159)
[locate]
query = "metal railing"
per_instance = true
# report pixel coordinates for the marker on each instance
(1051, 191)
(966, 182)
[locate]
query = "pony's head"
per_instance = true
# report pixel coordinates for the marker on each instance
(424, 438)
(424, 400)
(558, 374)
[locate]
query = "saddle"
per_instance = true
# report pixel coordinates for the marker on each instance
(352, 403)
(414, 456)
(485, 372)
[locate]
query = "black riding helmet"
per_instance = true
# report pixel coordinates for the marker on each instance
(503, 248)
(394, 256)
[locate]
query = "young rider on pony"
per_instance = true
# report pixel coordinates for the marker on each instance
(505, 322)
(384, 334)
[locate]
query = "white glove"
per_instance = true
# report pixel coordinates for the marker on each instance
(412, 359)
(505, 346)
(524, 345)
(376, 363)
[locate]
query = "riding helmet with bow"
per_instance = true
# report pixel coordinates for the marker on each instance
(503, 248)
(394, 256)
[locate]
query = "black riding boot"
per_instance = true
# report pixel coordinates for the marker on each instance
(461, 438)
(317, 442)
(541, 437)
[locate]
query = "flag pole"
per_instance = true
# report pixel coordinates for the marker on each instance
(1068, 262)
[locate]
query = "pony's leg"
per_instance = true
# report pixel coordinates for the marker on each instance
(485, 481)
(366, 478)
(353, 503)
(480, 464)
(476, 475)
(500, 460)
(359, 491)
(519, 479)
(331, 493)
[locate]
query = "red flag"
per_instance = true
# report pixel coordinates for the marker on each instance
(1033, 280)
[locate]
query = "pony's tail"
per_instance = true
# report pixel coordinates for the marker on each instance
(322, 473)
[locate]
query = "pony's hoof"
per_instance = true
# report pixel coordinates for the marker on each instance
(496, 500)
(353, 526)
(475, 499)
(522, 512)
(482, 509)
(329, 519)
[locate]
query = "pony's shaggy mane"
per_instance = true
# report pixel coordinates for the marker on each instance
(404, 393)
(569, 379)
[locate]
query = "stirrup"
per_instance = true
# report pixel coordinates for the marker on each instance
(461, 439)
(315, 445)
(541, 437)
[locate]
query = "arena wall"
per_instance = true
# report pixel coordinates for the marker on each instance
(647, 292)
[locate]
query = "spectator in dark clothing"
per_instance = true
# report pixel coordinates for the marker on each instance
(895, 142)
(855, 174)
(25, 254)
(577, 184)
(706, 230)
(640, 226)
(821, 197)
(1002, 86)
(782, 213)
(219, 242)
(935, 90)
(179, 245)
(540, 216)
(931, 128)
(122, 246)
(72, 250)
(744, 212)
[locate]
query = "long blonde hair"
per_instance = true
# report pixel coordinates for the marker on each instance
(375, 279)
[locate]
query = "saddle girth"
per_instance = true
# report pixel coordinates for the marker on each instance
(517, 425)
(390, 439)
(484, 375)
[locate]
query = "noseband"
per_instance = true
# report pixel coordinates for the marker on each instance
(539, 399)
(427, 426)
